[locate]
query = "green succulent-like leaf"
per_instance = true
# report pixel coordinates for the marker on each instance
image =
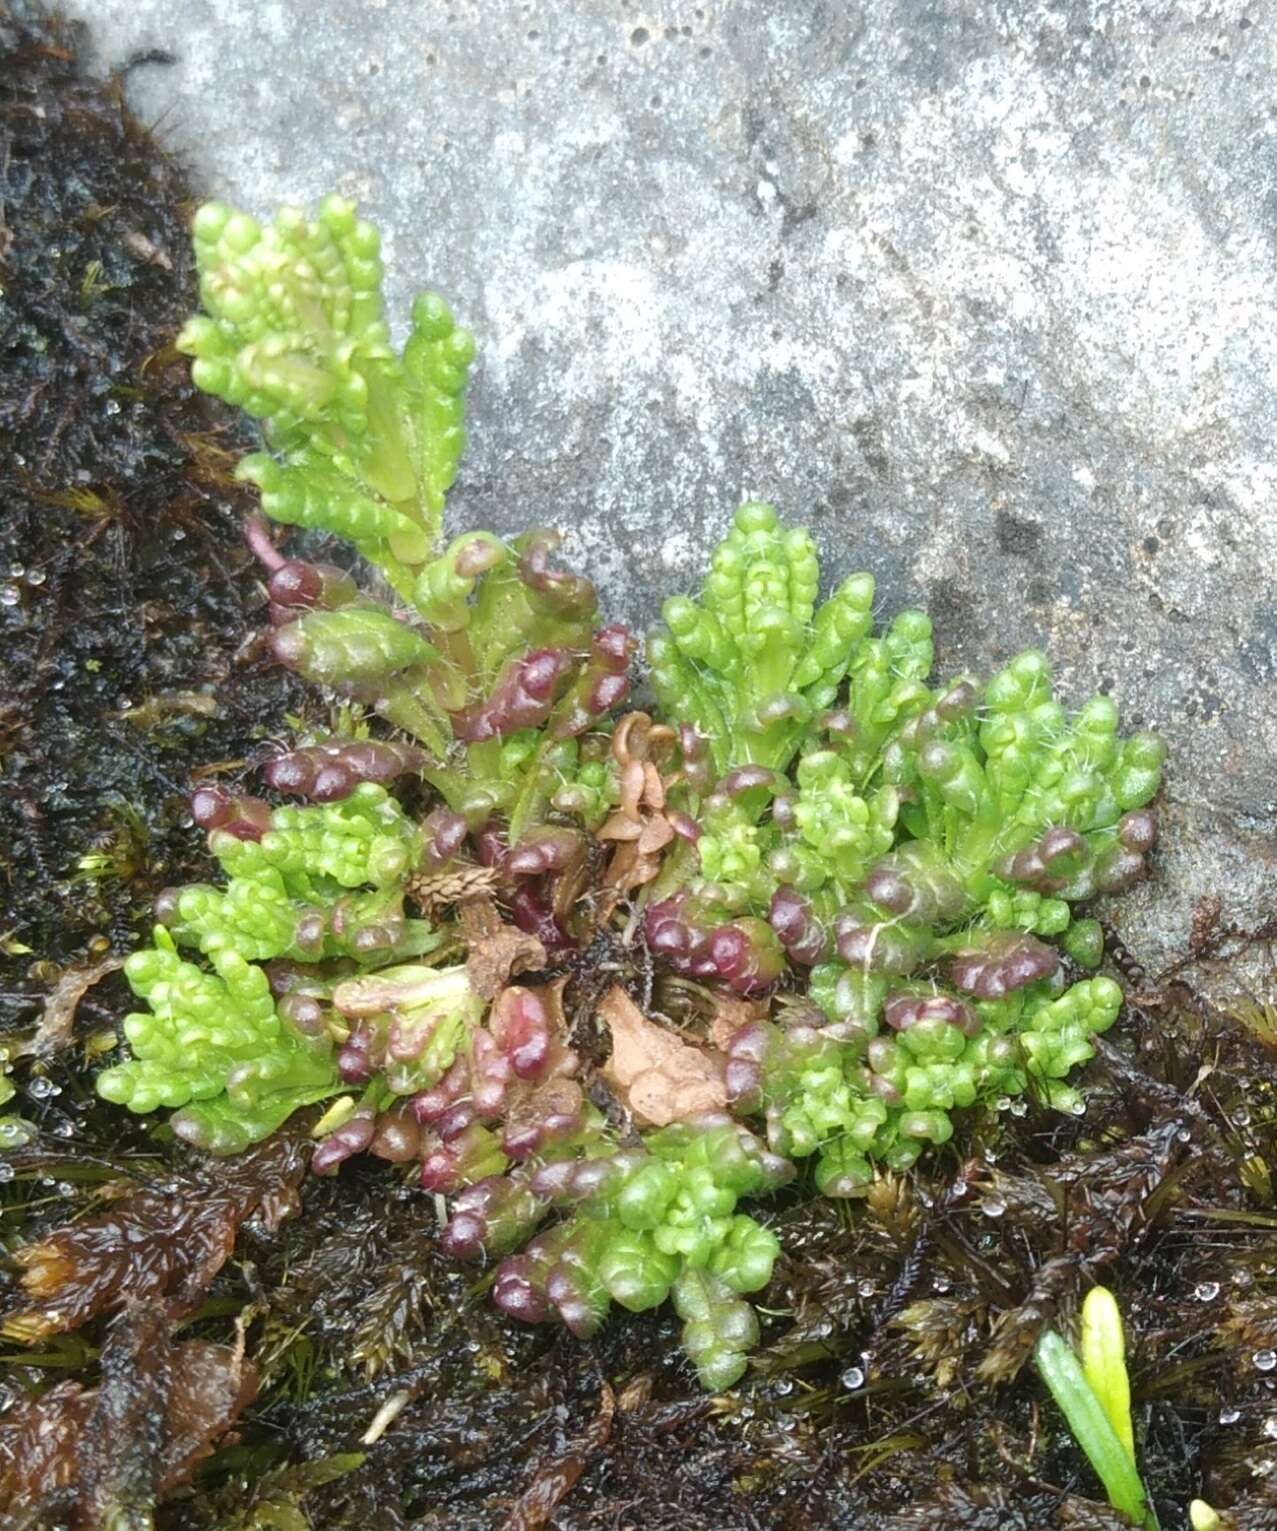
(294, 333)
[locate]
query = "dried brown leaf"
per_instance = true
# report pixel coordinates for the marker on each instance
(58, 1019)
(621, 826)
(630, 867)
(639, 827)
(657, 1075)
(568, 885)
(496, 951)
(732, 1014)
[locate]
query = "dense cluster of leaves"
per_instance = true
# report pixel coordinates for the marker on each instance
(501, 656)
(885, 866)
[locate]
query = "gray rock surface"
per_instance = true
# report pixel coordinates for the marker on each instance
(982, 291)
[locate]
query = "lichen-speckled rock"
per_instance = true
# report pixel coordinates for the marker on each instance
(983, 292)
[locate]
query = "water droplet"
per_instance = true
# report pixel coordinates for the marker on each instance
(1183, 1135)
(1241, 1117)
(1270, 1427)
(65, 1188)
(784, 1387)
(6, 1171)
(958, 1188)
(993, 1206)
(37, 577)
(852, 1378)
(867, 1288)
(65, 1129)
(1229, 1416)
(40, 1087)
(14, 1132)
(1206, 1291)
(1002, 1103)
(111, 407)
(1264, 1360)
(1078, 1108)
(17, 570)
(9, 595)
(1018, 1108)
(941, 1285)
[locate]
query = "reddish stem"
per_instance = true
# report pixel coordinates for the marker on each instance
(257, 535)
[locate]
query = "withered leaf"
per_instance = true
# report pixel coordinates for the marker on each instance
(657, 1075)
(555, 1097)
(639, 826)
(732, 1014)
(58, 1019)
(495, 950)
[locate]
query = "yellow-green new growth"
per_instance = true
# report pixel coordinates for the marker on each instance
(753, 662)
(1094, 1395)
(214, 1045)
(294, 333)
(1102, 1348)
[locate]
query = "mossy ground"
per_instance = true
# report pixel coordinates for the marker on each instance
(126, 603)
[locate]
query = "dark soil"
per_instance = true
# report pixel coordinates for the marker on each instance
(890, 1394)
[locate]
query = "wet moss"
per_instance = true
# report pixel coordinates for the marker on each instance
(125, 591)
